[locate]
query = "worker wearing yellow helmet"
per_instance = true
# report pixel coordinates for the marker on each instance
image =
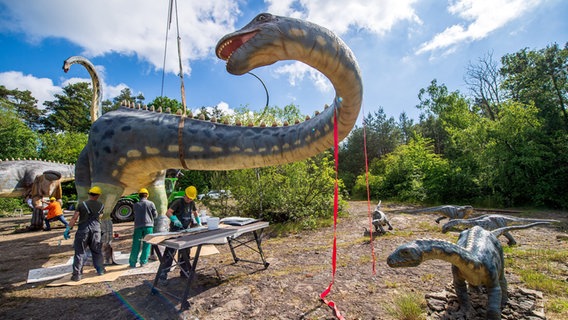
(88, 235)
(54, 213)
(183, 214)
(144, 215)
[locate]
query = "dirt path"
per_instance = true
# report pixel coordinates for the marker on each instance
(300, 269)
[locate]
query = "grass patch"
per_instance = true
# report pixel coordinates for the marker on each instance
(538, 281)
(539, 270)
(428, 227)
(408, 306)
(557, 305)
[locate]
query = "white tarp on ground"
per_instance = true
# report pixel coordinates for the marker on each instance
(59, 271)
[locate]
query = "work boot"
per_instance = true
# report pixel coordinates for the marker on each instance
(76, 277)
(101, 272)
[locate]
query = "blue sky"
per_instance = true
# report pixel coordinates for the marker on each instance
(401, 46)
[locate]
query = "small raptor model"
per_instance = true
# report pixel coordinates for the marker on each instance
(476, 258)
(491, 222)
(128, 149)
(32, 180)
(448, 211)
(379, 221)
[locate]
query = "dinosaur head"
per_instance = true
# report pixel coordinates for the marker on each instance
(407, 255)
(252, 46)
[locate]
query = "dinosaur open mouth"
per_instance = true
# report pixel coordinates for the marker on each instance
(226, 49)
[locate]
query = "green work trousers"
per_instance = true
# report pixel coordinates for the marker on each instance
(137, 242)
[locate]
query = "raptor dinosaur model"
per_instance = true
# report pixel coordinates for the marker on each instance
(32, 180)
(96, 107)
(128, 149)
(476, 258)
(491, 222)
(448, 211)
(379, 221)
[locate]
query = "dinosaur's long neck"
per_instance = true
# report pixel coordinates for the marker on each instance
(96, 107)
(280, 39)
(444, 250)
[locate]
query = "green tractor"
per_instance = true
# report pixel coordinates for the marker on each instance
(124, 209)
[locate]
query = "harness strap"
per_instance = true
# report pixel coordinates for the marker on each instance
(181, 153)
(91, 217)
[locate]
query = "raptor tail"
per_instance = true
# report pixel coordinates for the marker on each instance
(500, 231)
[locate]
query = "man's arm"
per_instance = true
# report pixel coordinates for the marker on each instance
(74, 219)
(170, 212)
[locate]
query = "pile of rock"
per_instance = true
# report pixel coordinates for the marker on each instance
(523, 304)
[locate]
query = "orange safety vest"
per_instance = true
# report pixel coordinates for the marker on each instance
(53, 210)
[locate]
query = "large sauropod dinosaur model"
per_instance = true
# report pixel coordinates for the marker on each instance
(491, 222)
(96, 107)
(448, 211)
(476, 258)
(129, 149)
(34, 179)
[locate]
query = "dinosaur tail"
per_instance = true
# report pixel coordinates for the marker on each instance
(529, 220)
(500, 231)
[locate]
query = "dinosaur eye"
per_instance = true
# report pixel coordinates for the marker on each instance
(262, 17)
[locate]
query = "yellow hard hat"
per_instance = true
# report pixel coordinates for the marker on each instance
(144, 190)
(52, 199)
(191, 192)
(95, 190)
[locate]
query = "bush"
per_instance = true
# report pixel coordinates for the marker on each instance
(8, 205)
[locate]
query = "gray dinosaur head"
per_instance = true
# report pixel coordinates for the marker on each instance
(406, 255)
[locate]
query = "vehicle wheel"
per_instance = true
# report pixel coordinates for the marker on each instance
(123, 211)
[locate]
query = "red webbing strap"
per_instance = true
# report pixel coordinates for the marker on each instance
(330, 303)
(368, 196)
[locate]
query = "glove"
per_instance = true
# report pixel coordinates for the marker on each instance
(198, 221)
(176, 221)
(66, 234)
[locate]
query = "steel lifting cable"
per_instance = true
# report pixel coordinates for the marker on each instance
(168, 24)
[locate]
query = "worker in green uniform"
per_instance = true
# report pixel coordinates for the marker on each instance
(144, 215)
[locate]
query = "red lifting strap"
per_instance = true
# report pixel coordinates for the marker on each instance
(330, 303)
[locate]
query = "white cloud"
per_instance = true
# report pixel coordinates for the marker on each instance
(297, 71)
(42, 89)
(481, 17)
(376, 17)
(129, 27)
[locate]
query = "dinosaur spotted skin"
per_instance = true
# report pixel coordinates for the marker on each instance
(128, 149)
(491, 222)
(476, 258)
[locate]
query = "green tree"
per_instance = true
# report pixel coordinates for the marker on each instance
(17, 139)
(70, 110)
(166, 103)
(540, 78)
(380, 135)
(24, 104)
(300, 192)
(63, 146)
(413, 172)
(518, 158)
(125, 95)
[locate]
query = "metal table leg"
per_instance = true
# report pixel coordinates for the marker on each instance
(257, 238)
